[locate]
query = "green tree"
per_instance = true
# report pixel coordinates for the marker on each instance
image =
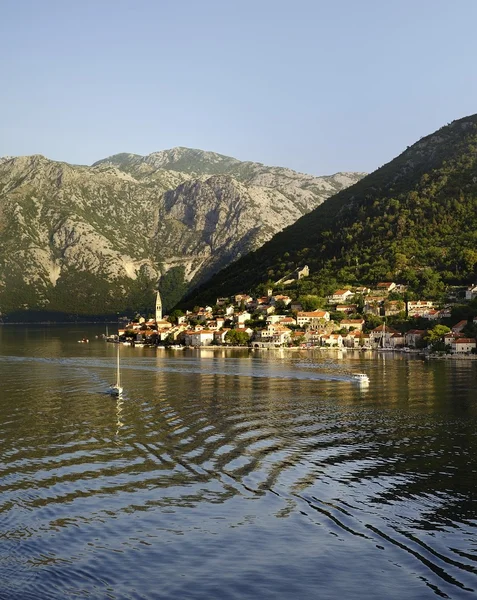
(434, 337)
(237, 338)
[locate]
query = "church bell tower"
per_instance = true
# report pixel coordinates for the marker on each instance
(158, 307)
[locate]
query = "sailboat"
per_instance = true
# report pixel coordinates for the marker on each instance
(116, 389)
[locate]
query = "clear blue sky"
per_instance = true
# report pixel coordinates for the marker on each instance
(318, 86)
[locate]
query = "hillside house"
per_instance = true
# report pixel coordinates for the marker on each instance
(458, 327)
(280, 298)
(385, 286)
(312, 318)
(357, 324)
(419, 308)
(362, 291)
(241, 317)
(393, 307)
(282, 319)
(471, 292)
(339, 296)
(445, 313)
(372, 307)
(265, 309)
(347, 308)
(245, 298)
(222, 301)
(432, 315)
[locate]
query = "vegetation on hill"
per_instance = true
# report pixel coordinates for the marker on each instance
(414, 220)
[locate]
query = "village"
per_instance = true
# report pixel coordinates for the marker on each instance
(347, 321)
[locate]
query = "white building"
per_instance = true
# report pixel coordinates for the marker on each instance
(463, 345)
(312, 318)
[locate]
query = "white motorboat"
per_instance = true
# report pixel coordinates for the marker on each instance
(361, 378)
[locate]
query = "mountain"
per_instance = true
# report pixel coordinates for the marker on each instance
(414, 220)
(97, 239)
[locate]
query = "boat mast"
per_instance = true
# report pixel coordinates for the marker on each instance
(118, 381)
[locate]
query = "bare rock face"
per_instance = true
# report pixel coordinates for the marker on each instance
(92, 239)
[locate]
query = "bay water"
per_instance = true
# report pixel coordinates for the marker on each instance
(232, 473)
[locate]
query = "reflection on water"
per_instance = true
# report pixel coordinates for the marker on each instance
(224, 474)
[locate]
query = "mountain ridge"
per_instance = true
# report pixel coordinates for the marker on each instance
(79, 238)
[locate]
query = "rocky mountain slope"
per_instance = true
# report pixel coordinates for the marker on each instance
(414, 220)
(95, 239)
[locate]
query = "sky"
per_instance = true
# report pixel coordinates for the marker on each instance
(317, 86)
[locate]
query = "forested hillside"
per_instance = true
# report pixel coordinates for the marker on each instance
(414, 220)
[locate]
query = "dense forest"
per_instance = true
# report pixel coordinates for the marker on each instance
(414, 221)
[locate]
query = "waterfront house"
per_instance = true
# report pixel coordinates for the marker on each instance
(450, 337)
(381, 336)
(312, 337)
(334, 340)
(204, 337)
(396, 340)
(460, 345)
(274, 335)
(414, 337)
(219, 336)
(352, 339)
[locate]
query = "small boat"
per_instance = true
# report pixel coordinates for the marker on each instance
(361, 378)
(83, 341)
(116, 389)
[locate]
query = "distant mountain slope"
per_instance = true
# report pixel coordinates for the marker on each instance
(413, 220)
(94, 239)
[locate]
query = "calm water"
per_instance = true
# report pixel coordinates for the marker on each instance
(228, 475)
